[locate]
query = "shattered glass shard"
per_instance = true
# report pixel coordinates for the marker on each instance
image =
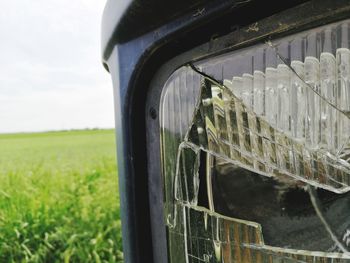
(234, 132)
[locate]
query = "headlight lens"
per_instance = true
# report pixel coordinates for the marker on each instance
(244, 135)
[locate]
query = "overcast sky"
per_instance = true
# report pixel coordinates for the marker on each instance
(51, 77)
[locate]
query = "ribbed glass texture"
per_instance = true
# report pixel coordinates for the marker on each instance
(299, 84)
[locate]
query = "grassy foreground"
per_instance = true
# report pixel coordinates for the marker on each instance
(58, 197)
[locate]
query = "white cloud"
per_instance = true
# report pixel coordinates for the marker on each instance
(51, 76)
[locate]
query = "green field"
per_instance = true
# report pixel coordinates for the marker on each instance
(58, 197)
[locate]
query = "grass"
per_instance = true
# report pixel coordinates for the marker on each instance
(58, 197)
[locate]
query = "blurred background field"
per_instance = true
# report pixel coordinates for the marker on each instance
(59, 197)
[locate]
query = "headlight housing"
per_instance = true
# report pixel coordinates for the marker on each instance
(246, 138)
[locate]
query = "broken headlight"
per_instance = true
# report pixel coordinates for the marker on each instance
(256, 152)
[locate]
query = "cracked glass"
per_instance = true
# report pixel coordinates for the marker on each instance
(255, 152)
